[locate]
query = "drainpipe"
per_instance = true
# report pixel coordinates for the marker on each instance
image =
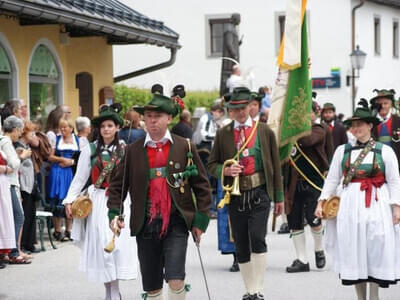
(353, 47)
(149, 69)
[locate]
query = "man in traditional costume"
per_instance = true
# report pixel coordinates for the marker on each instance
(307, 164)
(257, 166)
(162, 171)
(328, 116)
(388, 130)
(364, 238)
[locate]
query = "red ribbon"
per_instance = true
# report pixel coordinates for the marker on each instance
(366, 185)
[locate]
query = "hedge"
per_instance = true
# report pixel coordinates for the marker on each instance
(129, 96)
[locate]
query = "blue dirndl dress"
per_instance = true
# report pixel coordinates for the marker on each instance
(225, 245)
(60, 178)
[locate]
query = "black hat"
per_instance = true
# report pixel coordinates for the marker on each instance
(179, 90)
(157, 89)
(256, 97)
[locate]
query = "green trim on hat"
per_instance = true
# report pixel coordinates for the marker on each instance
(108, 114)
(160, 103)
(362, 114)
(255, 97)
(240, 97)
(388, 94)
(327, 106)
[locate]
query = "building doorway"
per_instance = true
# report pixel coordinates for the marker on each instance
(84, 82)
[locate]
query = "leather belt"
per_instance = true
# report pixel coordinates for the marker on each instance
(252, 181)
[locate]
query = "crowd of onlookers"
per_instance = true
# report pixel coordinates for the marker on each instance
(37, 164)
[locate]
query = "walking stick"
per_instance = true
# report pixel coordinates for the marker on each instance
(111, 245)
(202, 266)
(273, 222)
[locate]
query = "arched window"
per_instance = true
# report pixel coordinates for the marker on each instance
(5, 77)
(43, 84)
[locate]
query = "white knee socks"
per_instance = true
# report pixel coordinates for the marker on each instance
(259, 262)
(158, 296)
(247, 272)
(317, 235)
(177, 295)
(107, 285)
(361, 290)
(114, 290)
(373, 291)
(299, 240)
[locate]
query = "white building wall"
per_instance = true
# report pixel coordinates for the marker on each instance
(330, 36)
(380, 71)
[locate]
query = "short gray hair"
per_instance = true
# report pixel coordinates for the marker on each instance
(12, 122)
(82, 123)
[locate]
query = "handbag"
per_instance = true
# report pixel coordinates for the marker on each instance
(330, 207)
(81, 207)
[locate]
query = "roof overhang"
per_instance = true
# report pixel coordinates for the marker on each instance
(392, 3)
(119, 29)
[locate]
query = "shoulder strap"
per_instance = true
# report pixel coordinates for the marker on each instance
(349, 176)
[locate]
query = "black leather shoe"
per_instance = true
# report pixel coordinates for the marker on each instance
(2, 265)
(284, 229)
(297, 266)
(259, 296)
(234, 268)
(247, 296)
(320, 259)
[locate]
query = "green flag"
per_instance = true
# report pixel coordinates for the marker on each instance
(296, 120)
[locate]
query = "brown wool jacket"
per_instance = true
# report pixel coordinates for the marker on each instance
(315, 148)
(224, 149)
(137, 180)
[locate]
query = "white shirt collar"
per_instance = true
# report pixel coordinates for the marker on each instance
(256, 118)
(149, 142)
(385, 118)
(248, 123)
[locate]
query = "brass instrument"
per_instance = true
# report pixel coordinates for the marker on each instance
(234, 189)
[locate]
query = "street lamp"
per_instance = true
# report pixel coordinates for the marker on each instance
(357, 58)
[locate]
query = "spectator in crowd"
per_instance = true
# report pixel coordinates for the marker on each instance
(93, 233)
(340, 117)
(184, 127)
(235, 80)
(24, 109)
(28, 185)
(131, 132)
(52, 125)
(83, 127)
(11, 108)
(12, 128)
(61, 175)
(265, 92)
(7, 231)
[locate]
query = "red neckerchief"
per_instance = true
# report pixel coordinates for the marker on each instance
(158, 191)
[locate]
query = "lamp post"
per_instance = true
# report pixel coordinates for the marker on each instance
(357, 58)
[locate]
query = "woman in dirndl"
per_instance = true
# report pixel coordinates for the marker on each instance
(96, 163)
(364, 238)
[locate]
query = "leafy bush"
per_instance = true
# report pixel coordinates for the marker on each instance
(129, 96)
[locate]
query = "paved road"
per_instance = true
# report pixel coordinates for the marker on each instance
(54, 275)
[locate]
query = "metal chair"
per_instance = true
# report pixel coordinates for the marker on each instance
(44, 217)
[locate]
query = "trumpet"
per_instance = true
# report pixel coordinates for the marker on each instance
(234, 189)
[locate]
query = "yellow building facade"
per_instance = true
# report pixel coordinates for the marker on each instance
(71, 57)
(60, 52)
